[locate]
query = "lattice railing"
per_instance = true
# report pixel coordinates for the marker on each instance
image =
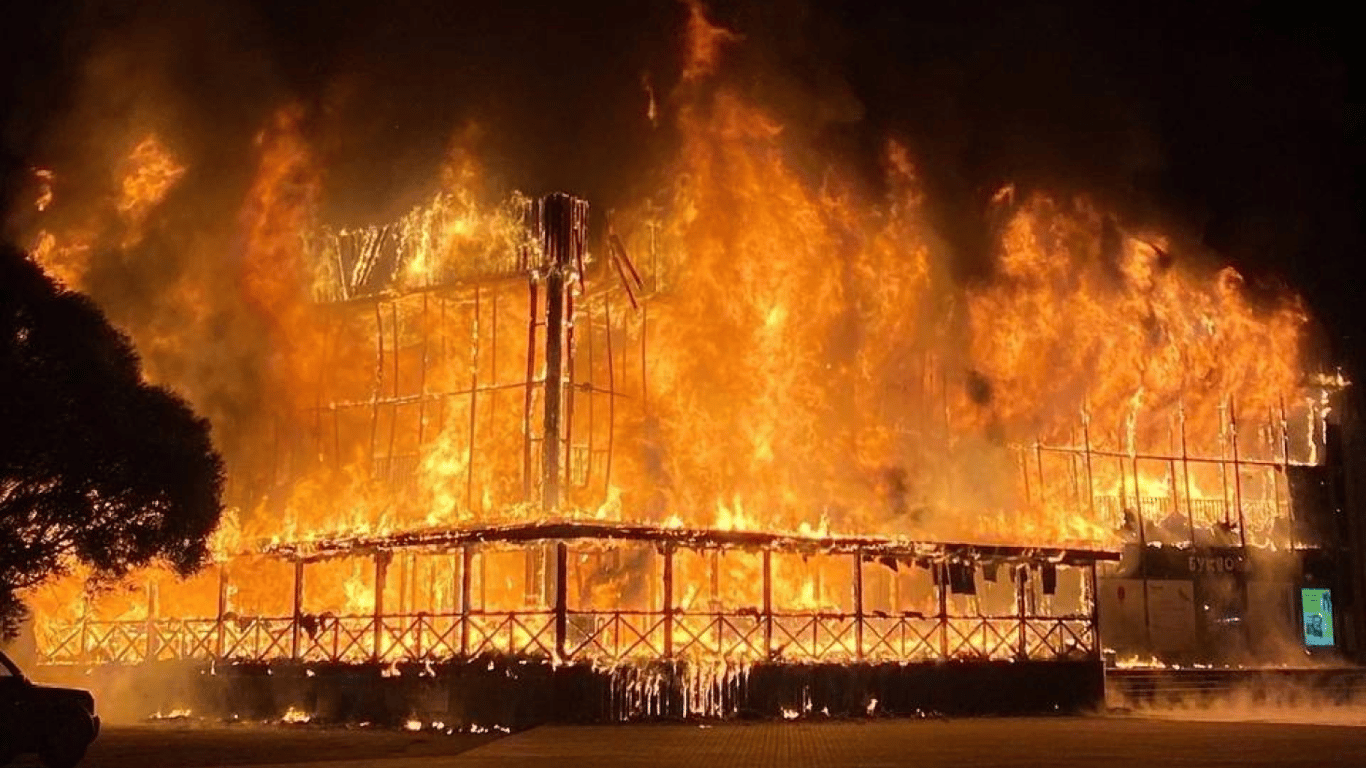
(614, 636)
(1058, 639)
(815, 637)
(902, 638)
(601, 636)
(337, 638)
(250, 638)
(719, 635)
(519, 633)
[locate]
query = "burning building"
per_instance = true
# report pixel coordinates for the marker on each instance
(720, 449)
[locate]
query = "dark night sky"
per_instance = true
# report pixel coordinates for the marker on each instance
(1237, 123)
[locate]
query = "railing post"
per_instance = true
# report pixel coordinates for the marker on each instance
(1021, 573)
(297, 615)
(466, 562)
(668, 601)
(222, 609)
(1096, 648)
(561, 598)
(943, 583)
(768, 604)
(84, 654)
(151, 647)
(381, 573)
(858, 604)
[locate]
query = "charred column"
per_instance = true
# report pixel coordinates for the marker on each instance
(561, 222)
(298, 613)
(381, 572)
(153, 647)
(466, 562)
(668, 601)
(768, 604)
(221, 643)
(858, 604)
(561, 598)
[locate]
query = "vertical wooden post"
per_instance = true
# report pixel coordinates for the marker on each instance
(858, 604)
(466, 562)
(1223, 465)
(1138, 501)
(768, 604)
(474, 402)
(83, 650)
(151, 647)
(591, 373)
(298, 613)
(422, 383)
(1242, 521)
(1186, 473)
(393, 406)
(379, 383)
(566, 477)
(668, 601)
(1281, 470)
(1090, 480)
(1172, 493)
(561, 220)
(644, 372)
(611, 393)
(1021, 573)
(532, 302)
(222, 608)
(943, 571)
(1094, 583)
(381, 576)
(1237, 477)
(561, 599)
(1038, 468)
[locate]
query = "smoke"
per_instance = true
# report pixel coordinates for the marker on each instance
(1303, 696)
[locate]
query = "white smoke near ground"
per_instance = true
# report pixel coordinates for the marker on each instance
(1327, 697)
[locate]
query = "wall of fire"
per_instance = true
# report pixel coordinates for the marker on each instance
(430, 406)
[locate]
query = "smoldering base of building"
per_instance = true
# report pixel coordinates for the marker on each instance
(499, 691)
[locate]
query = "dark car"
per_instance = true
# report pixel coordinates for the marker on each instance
(57, 723)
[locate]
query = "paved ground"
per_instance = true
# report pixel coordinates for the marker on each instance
(186, 744)
(1005, 743)
(1059, 742)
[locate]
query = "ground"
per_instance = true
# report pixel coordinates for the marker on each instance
(1115, 742)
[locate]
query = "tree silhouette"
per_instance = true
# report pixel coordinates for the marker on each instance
(96, 466)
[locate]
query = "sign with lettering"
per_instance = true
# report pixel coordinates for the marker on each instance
(1213, 563)
(1181, 563)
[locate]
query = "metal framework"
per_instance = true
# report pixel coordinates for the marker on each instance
(669, 630)
(1237, 516)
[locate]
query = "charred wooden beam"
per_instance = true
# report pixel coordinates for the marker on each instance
(298, 611)
(561, 599)
(560, 221)
(924, 552)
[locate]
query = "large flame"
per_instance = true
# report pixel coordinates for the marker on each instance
(810, 362)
